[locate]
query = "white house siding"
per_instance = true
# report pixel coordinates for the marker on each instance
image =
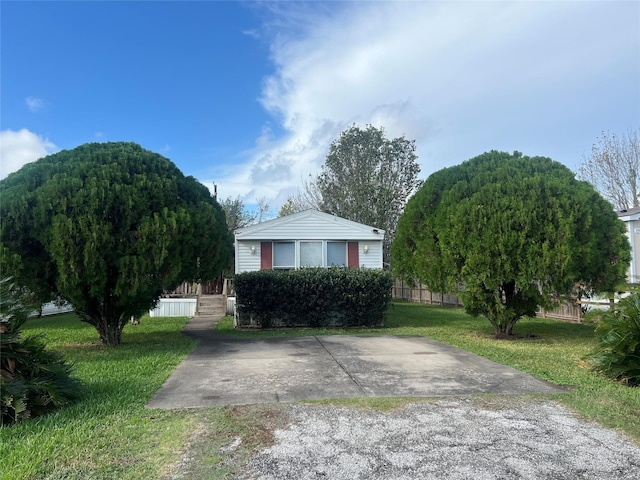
(631, 271)
(308, 226)
(633, 228)
(373, 258)
(632, 221)
(246, 261)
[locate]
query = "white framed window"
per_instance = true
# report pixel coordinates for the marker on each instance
(311, 254)
(284, 255)
(336, 254)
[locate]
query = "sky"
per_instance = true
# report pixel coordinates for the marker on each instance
(249, 95)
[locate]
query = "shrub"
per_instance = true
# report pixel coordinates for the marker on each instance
(618, 332)
(316, 297)
(33, 380)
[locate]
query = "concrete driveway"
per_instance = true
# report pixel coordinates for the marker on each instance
(453, 437)
(223, 370)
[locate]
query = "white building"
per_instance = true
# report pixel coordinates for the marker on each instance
(631, 218)
(307, 239)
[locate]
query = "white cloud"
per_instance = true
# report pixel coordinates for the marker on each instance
(34, 104)
(251, 33)
(460, 78)
(21, 147)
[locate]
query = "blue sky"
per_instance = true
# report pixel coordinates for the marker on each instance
(250, 95)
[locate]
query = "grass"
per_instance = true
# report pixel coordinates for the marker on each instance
(110, 433)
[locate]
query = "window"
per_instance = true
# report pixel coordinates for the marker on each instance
(311, 254)
(336, 254)
(284, 255)
(308, 253)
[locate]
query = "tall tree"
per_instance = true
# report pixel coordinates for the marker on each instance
(509, 233)
(308, 197)
(238, 216)
(108, 227)
(287, 208)
(613, 168)
(368, 178)
(263, 210)
(236, 213)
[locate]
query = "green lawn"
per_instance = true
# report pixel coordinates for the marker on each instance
(110, 434)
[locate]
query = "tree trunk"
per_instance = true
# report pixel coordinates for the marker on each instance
(503, 331)
(109, 329)
(110, 334)
(510, 312)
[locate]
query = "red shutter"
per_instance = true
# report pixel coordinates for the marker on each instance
(353, 260)
(266, 256)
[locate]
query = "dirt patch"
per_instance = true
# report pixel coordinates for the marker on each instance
(177, 470)
(224, 441)
(257, 423)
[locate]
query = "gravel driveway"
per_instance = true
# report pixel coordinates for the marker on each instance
(455, 438)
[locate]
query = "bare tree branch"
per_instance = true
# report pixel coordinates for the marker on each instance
(308, 197)
(613, 168)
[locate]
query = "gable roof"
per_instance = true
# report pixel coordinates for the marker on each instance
(309, 224)
(630, 214)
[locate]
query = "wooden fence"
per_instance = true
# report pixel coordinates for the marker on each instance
(420, 294)
(568, 311)
(185, 289)
(190, 289)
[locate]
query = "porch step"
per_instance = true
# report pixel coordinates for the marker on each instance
(211, 305)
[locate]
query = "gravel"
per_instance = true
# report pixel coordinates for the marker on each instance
(460, 438)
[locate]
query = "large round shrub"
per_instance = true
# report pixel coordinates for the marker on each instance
(108, 227)
(509, 233)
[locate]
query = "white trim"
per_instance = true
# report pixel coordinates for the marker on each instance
(275, 229)
(297, 252)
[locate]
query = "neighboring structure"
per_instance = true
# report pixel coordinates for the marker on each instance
(307, 239)
(631, 218)
(52, 309)
(175, 307)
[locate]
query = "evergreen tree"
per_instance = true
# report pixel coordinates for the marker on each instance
(508, 233)
(108, 227)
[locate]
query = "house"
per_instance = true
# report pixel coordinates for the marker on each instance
(631, 218)
(307, 239)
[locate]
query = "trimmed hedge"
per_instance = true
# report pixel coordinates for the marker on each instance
(312, 297)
